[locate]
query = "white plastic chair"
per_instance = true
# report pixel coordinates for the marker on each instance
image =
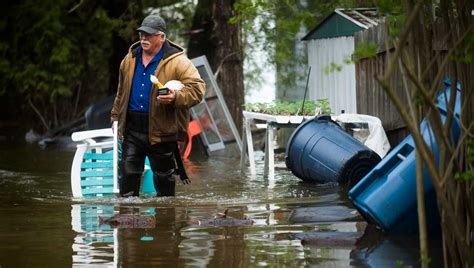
(94, 170)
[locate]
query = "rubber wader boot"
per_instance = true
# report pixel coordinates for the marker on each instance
(164, 183)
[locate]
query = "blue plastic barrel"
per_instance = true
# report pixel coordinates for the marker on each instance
(147, 183)
(443, 100)
(320, 151)
(386, 196)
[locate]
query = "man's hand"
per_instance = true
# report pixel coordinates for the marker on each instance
(185, 179)
(167, 99)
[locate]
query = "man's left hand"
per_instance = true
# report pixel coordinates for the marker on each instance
(168, 98)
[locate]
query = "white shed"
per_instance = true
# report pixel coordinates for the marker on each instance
(330, 46)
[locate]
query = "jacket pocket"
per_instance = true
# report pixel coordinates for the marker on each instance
(164, 121)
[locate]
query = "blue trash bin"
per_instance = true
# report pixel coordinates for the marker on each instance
(443, 100)
(386, 196)
(320, 151)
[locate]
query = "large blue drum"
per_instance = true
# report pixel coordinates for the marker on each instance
(320, 151)
(387, 195)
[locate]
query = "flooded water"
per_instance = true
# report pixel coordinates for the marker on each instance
(42, 225)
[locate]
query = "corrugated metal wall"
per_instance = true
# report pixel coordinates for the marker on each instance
(337, 86)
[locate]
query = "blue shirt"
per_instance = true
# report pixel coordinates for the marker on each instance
(141, 85)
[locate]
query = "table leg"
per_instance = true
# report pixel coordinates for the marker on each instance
(249, 145)
(269, 166)
(243, 150)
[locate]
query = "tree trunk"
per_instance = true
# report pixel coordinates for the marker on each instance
(220, 41)
(229, 57)
(200, 42)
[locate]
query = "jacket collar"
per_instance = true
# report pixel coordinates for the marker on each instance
(169, 48)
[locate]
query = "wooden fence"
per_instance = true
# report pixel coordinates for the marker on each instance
(371, 98)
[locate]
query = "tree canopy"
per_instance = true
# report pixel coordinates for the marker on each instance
(60, 56)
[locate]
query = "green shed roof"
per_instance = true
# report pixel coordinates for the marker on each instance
(343, 22)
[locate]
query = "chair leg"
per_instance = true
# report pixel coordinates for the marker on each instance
(189, 145)
(193, 130)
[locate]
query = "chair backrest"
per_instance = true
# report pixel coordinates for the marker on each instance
(94, 170)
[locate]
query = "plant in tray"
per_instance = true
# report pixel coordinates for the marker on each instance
(277, 107)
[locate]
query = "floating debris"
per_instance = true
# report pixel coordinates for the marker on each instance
(129, 221)
(328, 239)
(324, 214)
(221, 219)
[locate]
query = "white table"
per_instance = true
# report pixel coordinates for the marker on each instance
(272, 122)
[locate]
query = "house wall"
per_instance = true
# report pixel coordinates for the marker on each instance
(337, 86)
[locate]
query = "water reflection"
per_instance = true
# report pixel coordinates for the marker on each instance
(176, 240)
(93, 243)
(126, 236)
(43, 226)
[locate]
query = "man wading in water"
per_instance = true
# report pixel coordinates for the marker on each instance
(147, 120)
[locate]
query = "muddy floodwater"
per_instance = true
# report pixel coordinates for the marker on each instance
(293, 224)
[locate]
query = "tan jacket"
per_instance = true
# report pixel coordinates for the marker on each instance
(165, 120)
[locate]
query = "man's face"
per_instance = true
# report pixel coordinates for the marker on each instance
(151, 43)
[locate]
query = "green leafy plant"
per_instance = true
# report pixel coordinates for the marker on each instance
(277, 107)
(365, 50)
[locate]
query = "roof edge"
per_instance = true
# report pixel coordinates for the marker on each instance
(339, 12)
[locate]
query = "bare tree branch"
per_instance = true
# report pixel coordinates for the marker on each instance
(38, 113)
(75, 7)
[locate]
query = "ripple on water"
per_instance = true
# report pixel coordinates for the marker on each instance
(15, 177)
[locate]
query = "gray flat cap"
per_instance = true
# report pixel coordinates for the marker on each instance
(152, 24)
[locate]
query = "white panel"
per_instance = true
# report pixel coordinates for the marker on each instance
(213, 107)
(337, 86)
